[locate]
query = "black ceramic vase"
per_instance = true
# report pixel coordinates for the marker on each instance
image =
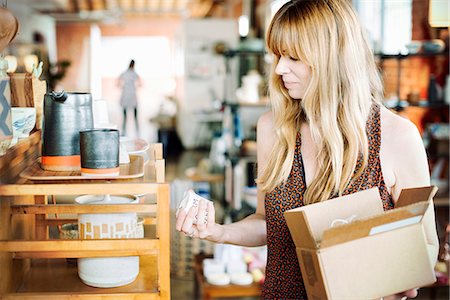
(65, 115)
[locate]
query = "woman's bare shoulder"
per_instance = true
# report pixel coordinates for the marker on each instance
(265, 121)
(402, 154)
(265, 134)
(397, 130)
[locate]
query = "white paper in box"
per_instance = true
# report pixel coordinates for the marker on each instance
(378, 254)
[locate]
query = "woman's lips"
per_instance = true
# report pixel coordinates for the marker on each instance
(289, 85)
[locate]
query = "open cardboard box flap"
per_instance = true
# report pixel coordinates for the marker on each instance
(410, 209)
(308, 223)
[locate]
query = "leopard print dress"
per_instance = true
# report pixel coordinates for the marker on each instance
(283, 276)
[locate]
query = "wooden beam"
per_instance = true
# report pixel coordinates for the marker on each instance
(81, 209)
(74, 246)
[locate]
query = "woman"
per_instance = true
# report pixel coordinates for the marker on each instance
(326, 136)
(129, 81)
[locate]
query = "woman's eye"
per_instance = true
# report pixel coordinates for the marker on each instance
(293, 59)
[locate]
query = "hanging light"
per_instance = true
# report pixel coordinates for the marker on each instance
(30, 61)
(12, 63)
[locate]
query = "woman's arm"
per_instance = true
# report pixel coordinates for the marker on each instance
(404, 165)
(250, 231)
(405, 162)
(254, 233)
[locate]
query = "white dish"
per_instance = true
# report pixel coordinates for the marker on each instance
(134, 146)
(219, 279)
(242, 279)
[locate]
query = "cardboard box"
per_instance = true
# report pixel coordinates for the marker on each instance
(377, 254)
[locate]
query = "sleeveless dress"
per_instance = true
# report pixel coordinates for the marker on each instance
(283, 276)
(128, 98)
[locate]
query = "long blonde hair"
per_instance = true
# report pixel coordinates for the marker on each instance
(325, 35)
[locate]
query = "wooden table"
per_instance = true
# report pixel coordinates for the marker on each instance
(209, 291)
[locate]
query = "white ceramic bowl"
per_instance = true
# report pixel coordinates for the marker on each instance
(23, 121)
(433, 46)
(414, 47)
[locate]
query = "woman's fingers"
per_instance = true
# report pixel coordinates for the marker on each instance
(202, 215)
(412, 293)
(189, 221)
(198, 221)
(180, 215)
(211, 217)
(409, 294)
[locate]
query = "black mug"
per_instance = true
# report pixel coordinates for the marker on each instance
(99, 149)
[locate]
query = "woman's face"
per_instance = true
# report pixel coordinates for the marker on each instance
(295, 75)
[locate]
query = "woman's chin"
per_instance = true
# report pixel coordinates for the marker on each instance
(294, 95)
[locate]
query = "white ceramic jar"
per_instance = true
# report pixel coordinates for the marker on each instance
(106, 272)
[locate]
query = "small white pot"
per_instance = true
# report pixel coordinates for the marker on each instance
(106, 272)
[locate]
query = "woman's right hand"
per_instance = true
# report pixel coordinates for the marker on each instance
(203, 216)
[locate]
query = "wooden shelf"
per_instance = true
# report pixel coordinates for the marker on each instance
(58, 279)
(33, 266)
(209, 291)
(193, 174)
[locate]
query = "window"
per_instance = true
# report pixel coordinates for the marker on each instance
(388, 23)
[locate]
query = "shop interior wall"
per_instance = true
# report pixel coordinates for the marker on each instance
(73, 42)
(415, 71)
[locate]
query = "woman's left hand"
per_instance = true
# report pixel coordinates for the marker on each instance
(412, 293)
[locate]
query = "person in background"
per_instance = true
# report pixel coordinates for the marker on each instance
(327, 135)
(129, 81)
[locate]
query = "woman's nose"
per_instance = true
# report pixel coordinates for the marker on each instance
(281, 67)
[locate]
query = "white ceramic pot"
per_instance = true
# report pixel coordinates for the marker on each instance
(106, 272)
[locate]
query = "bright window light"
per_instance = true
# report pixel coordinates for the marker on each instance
(243, 24)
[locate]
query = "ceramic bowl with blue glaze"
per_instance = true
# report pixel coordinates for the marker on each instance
(23, 121)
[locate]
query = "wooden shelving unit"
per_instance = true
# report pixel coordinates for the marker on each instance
(33, 266)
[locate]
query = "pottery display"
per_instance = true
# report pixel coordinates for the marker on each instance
(65, 115)
(134, 146)
(249, 92)
(28, 91)
(107, 272)
(414, 47)
(23, 121)
(101, 114)
(433, 46)
(99, 149)
(69, 231)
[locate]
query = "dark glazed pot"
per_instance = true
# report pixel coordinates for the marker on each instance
(99, 151)
(65, 115)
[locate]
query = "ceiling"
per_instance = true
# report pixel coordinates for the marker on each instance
(85, 10)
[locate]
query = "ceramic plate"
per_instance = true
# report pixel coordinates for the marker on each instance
(134, 146)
